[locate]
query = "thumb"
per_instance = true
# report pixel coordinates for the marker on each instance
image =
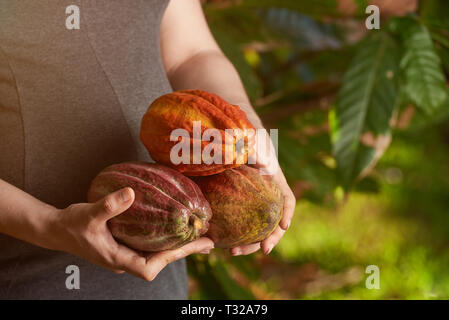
(114, 203)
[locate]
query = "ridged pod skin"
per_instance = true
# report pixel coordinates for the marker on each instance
(178, 110)
(169, 209)
(246, 206)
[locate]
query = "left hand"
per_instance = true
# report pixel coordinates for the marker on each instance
(289, 207)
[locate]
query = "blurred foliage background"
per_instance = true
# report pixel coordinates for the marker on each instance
(363, 119)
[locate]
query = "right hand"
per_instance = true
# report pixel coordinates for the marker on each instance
(81, 229)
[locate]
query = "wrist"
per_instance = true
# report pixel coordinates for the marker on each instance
(251, 114)
(43, 225)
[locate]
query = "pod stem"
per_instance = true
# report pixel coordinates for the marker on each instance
(196, 222)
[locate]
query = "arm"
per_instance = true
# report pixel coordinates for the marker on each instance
(193, 60)
(81, 229)
(23, 216)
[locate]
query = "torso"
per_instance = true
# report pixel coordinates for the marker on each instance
(70, 104)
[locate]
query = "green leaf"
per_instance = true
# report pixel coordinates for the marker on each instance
(234, 52)
(232, 289)
(316, 8)
(242, 24)
(440, 38)
(444, 55)
(442, 49)
(200, 269)
(435, 12)
(421, 66)
(368, 185)
(361, 5)
(365, 104)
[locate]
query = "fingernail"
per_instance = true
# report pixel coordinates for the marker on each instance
(269, 248)
(125, 195)
(205, 251)
(236, 252)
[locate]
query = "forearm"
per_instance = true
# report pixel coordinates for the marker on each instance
(23, 216)
(213, 72)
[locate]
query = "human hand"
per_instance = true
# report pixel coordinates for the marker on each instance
(81, 229)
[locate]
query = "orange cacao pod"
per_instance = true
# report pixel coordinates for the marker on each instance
(179, 110)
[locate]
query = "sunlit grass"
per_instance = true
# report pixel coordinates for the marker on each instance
(402, 230)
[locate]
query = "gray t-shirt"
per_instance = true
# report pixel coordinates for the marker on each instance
(71, 101)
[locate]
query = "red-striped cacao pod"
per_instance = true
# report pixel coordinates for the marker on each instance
(179, 110)
(169, 209)
(246, 206)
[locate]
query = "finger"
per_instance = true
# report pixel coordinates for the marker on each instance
(119, 271)
(269, 243)
(245, 250)
(160, 260)
(109, 266)
(265, 154)
(128, 260)
(113, 204)
(288, 210)
(148, 267)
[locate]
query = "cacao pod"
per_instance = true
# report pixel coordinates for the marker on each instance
(169, 209)
(246, 206)
(179, 110)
